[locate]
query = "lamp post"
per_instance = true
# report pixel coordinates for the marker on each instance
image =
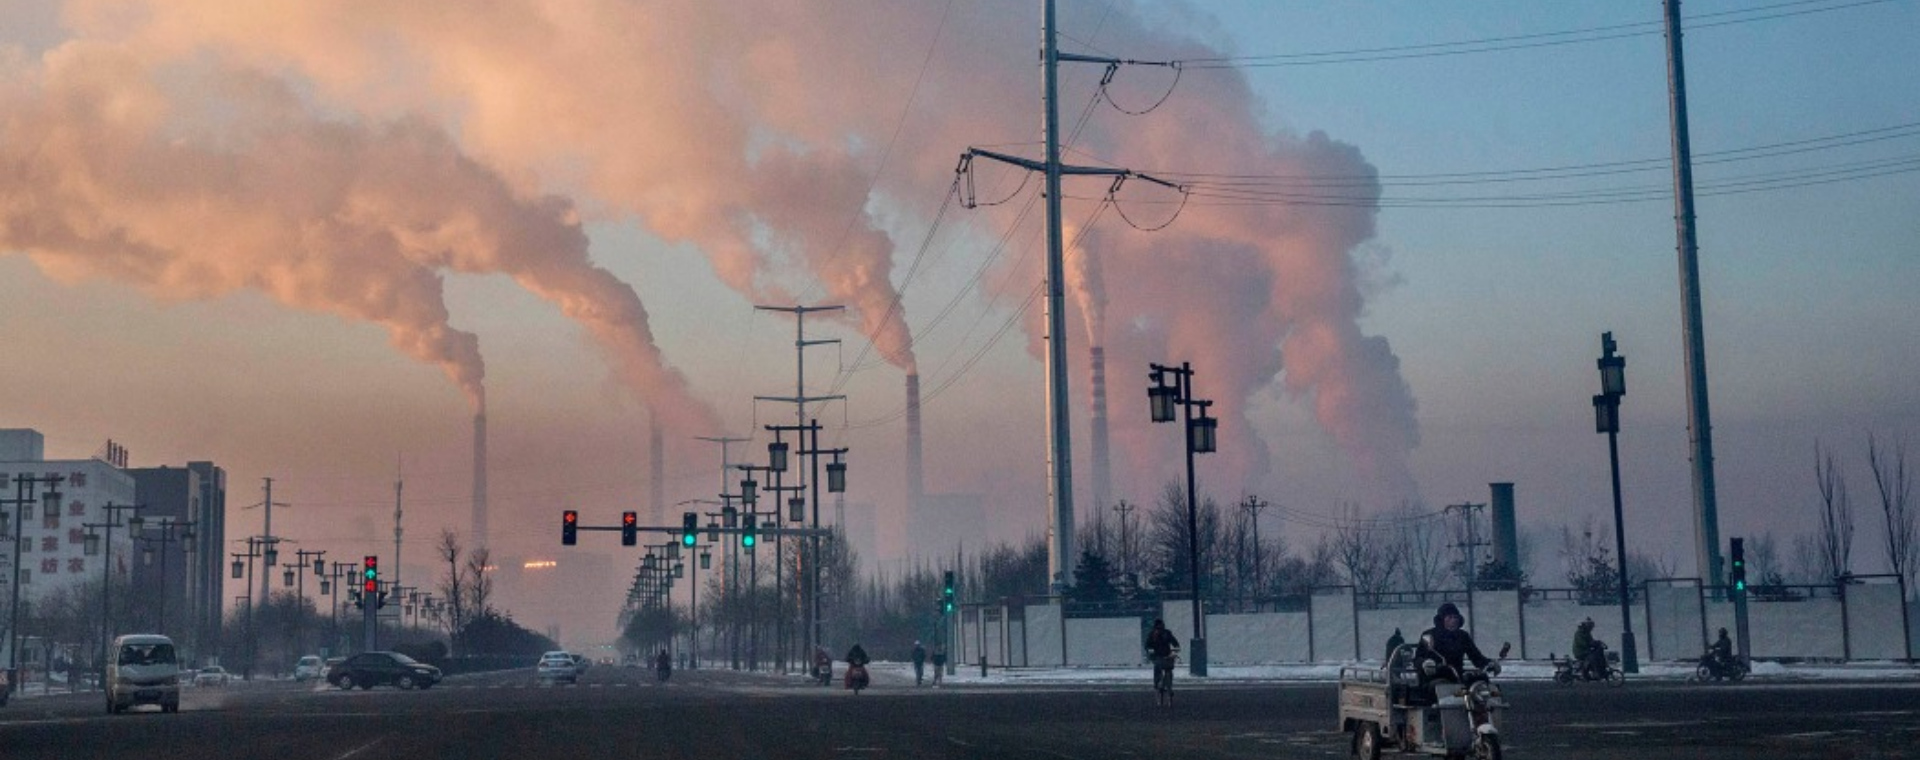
(262, 548)
(166, 539)
(1606, 419)
(22, 504)
(1162, 398)
(92, 547)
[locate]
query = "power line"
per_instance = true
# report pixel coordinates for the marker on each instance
(1517, 42)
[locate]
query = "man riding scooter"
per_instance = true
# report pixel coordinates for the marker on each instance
(1446, 648)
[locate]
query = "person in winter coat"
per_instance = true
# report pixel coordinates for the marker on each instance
(1446, 648)
(1589, 651)
(919, 663)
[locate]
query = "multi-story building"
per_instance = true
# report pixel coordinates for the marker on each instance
(182, 534)
(50, 544)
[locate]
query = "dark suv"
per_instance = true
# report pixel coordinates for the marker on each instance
(369, 669)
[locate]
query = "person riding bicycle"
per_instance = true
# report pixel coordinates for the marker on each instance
(663, 664)
(1161, 649)
(1445, 649)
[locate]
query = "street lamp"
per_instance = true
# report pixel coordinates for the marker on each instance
(23, 511)
(165, 527)
(1606, 419)
(91, 542)
(1201, 432)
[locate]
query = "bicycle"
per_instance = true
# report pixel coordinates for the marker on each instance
(1163, 678)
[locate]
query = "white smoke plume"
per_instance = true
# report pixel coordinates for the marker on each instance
(111, 172)
(753, 129)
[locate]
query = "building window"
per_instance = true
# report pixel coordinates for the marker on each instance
(26, 576)
(76, 566)
(49, 566)
(49, 543)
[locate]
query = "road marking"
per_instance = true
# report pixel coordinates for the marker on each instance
(359, 749)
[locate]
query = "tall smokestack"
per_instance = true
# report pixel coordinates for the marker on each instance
(1102, 472)
(479, 540)
(1506, 540)
(657, 457)
(916, 487)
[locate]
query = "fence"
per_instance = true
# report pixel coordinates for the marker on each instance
(1863, 618)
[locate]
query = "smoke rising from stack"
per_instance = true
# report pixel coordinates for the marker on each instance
(1102, 464)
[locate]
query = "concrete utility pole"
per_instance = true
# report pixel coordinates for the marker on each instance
(1253, 505)
(1473, 542)
(800, 399)
(1059, 446)
(1126, 549)
(399, 482)
(1706, 517)
(269, 551)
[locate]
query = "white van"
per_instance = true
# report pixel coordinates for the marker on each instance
(143, 670)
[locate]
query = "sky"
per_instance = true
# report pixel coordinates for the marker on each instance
(310, 243)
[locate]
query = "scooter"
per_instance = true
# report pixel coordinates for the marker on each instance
(1394, 707)
(823, 671)
(856, 677)
(1713, 668)
(1566, 670)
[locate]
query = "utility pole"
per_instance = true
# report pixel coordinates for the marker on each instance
(1472, 544)
(800, 399)
(269, 554)
(1126, 549)
(1059, 446)
(399, 481)
(1253, 505)
(1699, 419)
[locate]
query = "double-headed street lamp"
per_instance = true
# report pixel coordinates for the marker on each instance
(161, 532)
(1606, 419)
(1162, 399)
(92, 547)
(22, 504)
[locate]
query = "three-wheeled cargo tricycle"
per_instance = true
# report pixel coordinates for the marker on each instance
(1391, 706)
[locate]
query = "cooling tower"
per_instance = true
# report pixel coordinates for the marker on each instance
(1102, 474)
(479, 540)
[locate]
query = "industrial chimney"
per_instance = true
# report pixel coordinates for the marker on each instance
(479, 540)
(916, 487)
(1506, 540)
(656, 455)
(1102, 474)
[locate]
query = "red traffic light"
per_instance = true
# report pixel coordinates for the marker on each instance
(569, 527)
(629, 518)
(629, 528)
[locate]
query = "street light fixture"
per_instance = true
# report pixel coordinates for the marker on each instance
(1606, 419)
(777, 456)
(1201, 431)
(836, 475)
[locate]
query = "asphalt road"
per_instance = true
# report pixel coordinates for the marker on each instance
(622, 713)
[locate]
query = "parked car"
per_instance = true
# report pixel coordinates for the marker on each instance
(309, 668)
(369, 669)
(555, 667)
(143, 671)
(212, 675)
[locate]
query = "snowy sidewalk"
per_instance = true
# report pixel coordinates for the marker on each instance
(969, 675)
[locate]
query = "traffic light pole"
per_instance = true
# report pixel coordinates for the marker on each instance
(1740, 599)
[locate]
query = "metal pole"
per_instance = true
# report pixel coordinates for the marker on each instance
(1629, 659)
(13, 614)
(1060, 448)
(813, 565)
(1699, 418)
(1198, 665)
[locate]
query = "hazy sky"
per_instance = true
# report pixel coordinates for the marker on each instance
(299, 243)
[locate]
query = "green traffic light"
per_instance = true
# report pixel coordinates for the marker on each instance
(687, 539)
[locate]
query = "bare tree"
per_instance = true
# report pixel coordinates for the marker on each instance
(453, 586)
(1763, 557)
(1363, 549)
(480, 582)
(1896, 498)
(1836, 516)
(1420, 542)
(1168, 536)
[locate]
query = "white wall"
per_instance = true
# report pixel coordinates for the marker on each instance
(1333, 626)
(1261, 638)
(1875, 623)
(1376, 626)
(1495, 620)
(1044, 632)
(1675, 628)
(1105, 641)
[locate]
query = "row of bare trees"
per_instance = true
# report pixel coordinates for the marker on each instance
(1830, 549)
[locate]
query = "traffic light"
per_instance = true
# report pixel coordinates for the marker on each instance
(629, 528)
(370, 576)
(569, 527)
(355, 595)
(1739, 566)
(946, 593)
(749, 533)
(382, 604)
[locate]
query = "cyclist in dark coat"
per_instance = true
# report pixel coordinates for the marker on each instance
(1446, 648)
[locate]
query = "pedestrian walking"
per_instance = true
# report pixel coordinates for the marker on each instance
(939, 662)
(919, 663)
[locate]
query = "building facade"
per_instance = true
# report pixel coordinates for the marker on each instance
(48, 546)
(181, 535)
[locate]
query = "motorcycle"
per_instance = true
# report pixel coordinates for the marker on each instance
(1566, 670)
(1393, 706)
(823, 671)
(856, 677)
(1715, 668)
